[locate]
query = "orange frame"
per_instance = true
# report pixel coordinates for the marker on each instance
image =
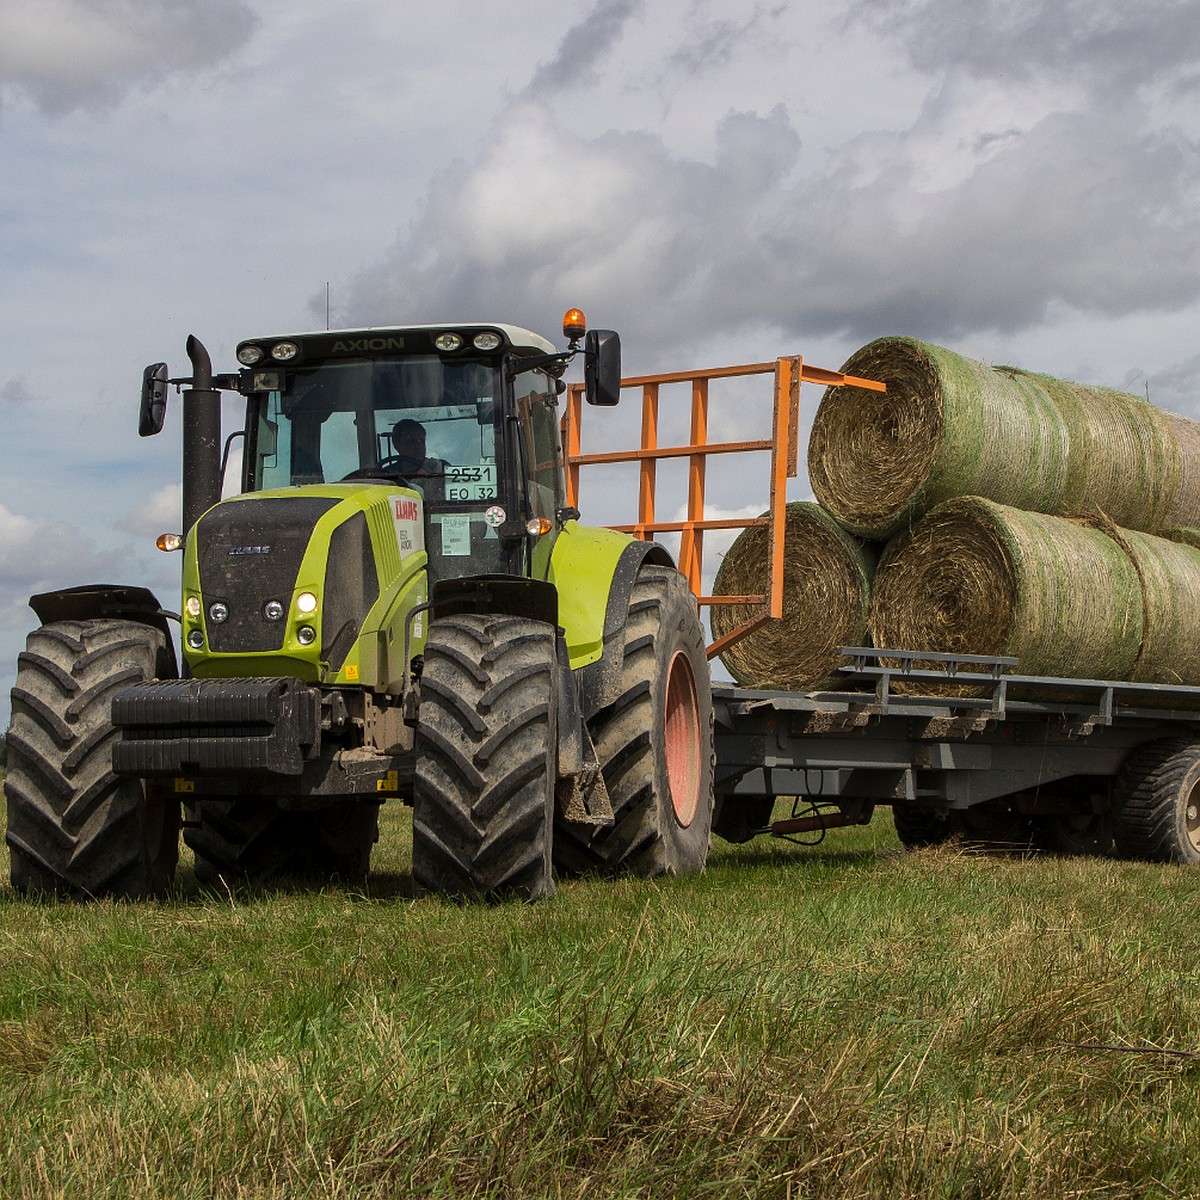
(783, 446)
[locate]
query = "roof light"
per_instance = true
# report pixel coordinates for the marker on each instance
(574, 324)
(447, 341)
(249, 355)
(487, 341)
(284, 351)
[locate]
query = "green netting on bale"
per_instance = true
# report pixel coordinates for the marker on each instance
(976, 577)
(826, 580)
(1169, 574)
(949, 426)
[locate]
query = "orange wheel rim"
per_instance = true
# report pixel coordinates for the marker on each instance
(681, 730)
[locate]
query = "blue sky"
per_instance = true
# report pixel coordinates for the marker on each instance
(1018, 180)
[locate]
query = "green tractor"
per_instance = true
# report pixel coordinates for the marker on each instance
(399, 605)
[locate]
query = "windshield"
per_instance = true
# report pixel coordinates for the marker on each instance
(426, 419)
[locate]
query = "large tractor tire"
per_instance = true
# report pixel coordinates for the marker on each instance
(74, 828)
(255, 841)
(483, 804)
(1156, 802)
(654, 743)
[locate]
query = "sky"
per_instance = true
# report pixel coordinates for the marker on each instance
(1018, 180)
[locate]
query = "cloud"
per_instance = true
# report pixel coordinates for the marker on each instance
(1112, 45)
(15, 393)
(584, 45)
(37, 555)
(65, 54)
(1082, 211)
(160, 513)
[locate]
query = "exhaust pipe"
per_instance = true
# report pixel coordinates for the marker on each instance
(201, 438)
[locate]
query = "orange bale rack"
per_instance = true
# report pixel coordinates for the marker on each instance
(783, 446)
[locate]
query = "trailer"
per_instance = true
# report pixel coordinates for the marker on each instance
(956, 745)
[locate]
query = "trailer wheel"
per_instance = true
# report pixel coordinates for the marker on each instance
(74, 828)
(654, 743)
(1156, 802)
(486, 759)
(918, 828)
(244, 841)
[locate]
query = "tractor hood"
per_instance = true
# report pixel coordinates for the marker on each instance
(286, 582)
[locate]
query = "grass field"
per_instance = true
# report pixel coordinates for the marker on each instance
(841, 1020)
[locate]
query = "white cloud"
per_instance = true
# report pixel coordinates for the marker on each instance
(64, 54)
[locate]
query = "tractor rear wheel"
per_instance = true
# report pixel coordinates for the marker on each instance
(654, 743)
(75, 828)
(255, 841)
(486, 758)
(1156, 802)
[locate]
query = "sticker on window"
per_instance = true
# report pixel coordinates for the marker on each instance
(476, 482)
(456, 535)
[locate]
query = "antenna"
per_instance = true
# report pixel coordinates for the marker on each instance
(327, 304)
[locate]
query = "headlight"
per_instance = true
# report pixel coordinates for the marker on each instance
(306, 603)
(195, 640)
(191, 606)
(217, 612)
(273, 610)
(306, 635)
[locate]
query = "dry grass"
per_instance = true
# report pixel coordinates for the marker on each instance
(827, 590)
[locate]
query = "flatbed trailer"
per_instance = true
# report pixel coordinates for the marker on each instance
(1075, 765)
(1057, 763)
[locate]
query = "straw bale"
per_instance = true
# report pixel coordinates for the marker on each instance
(949, 426)
(826, 578)
(977, 577)
(1169, 575)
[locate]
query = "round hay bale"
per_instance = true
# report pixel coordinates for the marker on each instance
(826, 594)
(949, 426)
(1169, 574)
(976, 577)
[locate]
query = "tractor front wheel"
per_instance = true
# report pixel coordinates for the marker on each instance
(654, 743)
(74, 827)
(483, 803)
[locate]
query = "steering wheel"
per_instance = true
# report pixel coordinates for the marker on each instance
(378, 474)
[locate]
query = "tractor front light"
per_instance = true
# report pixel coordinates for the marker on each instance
(191, 606)
(195, 640)
(306, 635)
(306, 603)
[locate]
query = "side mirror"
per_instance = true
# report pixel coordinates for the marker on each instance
(602, 367)
(154, 399)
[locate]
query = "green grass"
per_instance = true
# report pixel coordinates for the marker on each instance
(843, 1020)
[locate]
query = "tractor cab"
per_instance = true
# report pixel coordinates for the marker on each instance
(467, 417)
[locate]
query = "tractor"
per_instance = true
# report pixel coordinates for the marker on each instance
(399, 605)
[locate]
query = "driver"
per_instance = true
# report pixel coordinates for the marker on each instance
(408, 438)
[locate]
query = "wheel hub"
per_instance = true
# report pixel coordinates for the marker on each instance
(682, 740)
